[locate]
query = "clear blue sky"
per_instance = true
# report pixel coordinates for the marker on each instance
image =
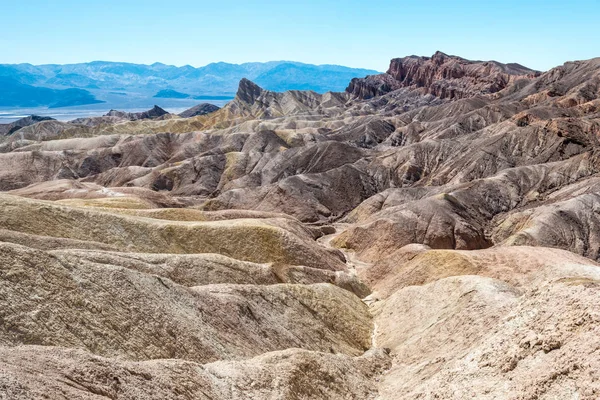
(538, 34)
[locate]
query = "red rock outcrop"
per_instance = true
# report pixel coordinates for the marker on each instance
(444, 76)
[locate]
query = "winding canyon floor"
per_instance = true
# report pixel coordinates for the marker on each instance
(431, 233)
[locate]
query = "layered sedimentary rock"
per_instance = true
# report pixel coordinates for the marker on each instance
(444, 76)
(430, 233)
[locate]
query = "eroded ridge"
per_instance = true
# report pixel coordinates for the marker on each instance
(432, 232)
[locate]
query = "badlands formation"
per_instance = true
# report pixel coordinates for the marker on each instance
(431, 233)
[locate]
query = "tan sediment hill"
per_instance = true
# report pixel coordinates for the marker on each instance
(433, 232)
(94, 305)
(35, 372)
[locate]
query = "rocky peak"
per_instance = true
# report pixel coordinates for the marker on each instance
(444, 76)
(154, 112)
(439, 58)
(9, 129)
(200, 109)
(248, 91)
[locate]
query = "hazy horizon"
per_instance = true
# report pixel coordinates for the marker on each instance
(189, 65)
(355, 34)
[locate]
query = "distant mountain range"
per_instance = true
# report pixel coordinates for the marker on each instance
(26, 85)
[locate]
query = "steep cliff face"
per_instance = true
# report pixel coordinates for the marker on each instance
(372, 86)
(248, 91)
(444, 76)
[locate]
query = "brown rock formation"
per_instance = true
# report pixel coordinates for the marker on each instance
(444, 76)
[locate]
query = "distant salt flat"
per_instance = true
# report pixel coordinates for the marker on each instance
(175, 106)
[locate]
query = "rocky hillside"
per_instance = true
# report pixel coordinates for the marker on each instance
(441, 75)
(432, 232)
(9, 129)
